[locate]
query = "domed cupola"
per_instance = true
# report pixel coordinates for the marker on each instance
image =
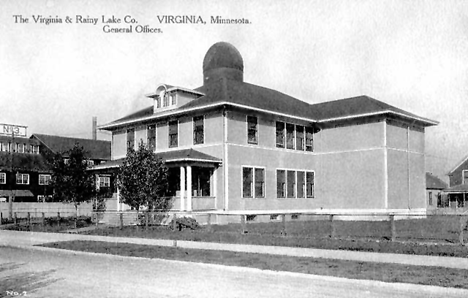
(223, 60)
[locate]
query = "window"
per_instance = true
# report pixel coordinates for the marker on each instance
(300, 184)
(173, 133)
(274, 217)
(4, 146)
(104, 181)
(252, 130)
(66, 161)
(300, 138)
(253, 182)
(280, 183)
(259, 183)
(289, 136)
(465, 177)
(22, 179)
(247, 182)
(430, 198)
(165, 100)
(151, 137)
(250, 217)
(90, 163)
(158, 102)
(309, 139)
(291, 190)
(173, 99)
(198, 130)
(130, 139)
(295, 216)
(20, 147)
(34, 149)
(280, 134)
(310, 184)
(44, 179)
(2, 178)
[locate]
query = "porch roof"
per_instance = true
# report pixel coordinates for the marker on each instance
(184, 155)
(462, 188)
(16, 192)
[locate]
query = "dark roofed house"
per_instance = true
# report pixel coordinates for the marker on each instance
(97, 151)
(232, 146)
(434, 191)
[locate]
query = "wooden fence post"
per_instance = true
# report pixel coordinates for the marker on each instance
(43, 220)
(1, 218)
(121, 220)
(58, 218)
(393, 234)
(16, 218)
(283, 231)
(174, 222)
(462, 227)
(243, 226)
(146, 220)
(97, 218)
(208, 222)
(29, 220)
(332, 226)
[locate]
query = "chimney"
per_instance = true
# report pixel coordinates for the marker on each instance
(94, 128)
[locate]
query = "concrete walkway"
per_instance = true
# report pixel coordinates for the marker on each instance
(28, 239)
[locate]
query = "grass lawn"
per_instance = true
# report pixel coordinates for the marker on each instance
(307, 234)
(349, 269)
(51, 225)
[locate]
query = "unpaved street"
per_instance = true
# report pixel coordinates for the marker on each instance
(89, 275)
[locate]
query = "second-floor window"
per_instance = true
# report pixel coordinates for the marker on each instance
(130, 139)
(173, 133)
(44, 179)
(2, 178)
(252, 130)
(151, 135)
(198, 130)
(22, 179)
(289, 136)
(309, 144)
(34, 149)
(280, 134)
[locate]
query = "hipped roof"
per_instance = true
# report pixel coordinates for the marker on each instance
(95, 149)
(236, 93)
(185, 155)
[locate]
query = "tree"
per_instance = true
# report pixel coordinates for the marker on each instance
(142, 180)
(70, 180)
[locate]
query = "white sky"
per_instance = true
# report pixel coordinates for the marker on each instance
(410, 54)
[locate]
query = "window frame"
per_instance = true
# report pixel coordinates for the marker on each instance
(196, 132)
(176, 134)
(286, 188)
(104, 177)
(283, 135)
(302, 147)
(130, 144)
(463, 177)
(2, 178)
(255, 141)
(309, 147)
(312, 196)
(46, 177)
(152, 139)
(283, 187)
(253, 183)
(21, 181)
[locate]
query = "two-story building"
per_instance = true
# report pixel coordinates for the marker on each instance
(233, 146)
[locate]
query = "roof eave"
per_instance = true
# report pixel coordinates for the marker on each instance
(428, 122)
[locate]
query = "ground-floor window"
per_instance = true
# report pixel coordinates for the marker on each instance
(22, 179)
(253, 182)
(295, 184)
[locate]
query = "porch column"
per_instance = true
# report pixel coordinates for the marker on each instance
(189, 188)
(119, 207)
(214, 191)
(182, 188)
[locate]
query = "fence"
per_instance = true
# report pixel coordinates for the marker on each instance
(50, 209)
(438, 228)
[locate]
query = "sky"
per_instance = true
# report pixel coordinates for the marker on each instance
(411, 54)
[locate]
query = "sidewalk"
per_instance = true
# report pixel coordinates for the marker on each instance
(28, 239)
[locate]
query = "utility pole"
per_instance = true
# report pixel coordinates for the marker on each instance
(12, 178)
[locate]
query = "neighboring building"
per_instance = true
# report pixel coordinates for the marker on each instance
(24, 172)
(232, 146)
(434, 192)
(459, 174)
(26, 163)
